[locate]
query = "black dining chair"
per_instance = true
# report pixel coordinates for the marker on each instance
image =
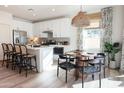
(64, 62)
(86, 69)
(100, 57)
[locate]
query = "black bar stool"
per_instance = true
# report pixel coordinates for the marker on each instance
(27, 62)
(10, 54)
(5, 53)
(16, 56)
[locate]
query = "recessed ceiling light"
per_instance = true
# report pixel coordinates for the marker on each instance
(53, 9)
(30, 10)
(5, 5)
(34, 14)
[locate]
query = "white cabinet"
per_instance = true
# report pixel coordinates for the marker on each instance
(56, 28)
(26, 26)
(41, 27)
(65, 27)
(59, 27)
(36, 29)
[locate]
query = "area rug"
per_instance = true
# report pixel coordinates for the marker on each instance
(111, 82)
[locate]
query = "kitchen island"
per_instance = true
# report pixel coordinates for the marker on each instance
(44, 56)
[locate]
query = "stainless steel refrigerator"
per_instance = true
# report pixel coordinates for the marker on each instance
(19, 37)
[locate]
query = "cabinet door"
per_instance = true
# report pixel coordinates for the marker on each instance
(65, 27)
(36, 29)
(45, 26)
(56, 28)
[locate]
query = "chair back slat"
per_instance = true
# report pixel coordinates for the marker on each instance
(10, 47)
(23, 49)
(17, 48)
(4, 46)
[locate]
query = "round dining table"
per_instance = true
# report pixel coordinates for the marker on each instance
(78, 54)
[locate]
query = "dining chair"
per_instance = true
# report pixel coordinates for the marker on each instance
(86, 69)
(100, 57)
(64, 62)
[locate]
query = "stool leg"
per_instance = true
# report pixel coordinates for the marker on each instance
(30, 64)
(21, 65)
(3, 59)
(26, 67)
(7, 62)
(26, 72)
(66, 76)
(36, 63)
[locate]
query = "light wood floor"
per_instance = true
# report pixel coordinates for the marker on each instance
(46, 79)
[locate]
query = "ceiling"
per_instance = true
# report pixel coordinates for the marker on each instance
(43, 12)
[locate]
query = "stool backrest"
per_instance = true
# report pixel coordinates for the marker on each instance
(24, 49)
(10, 47)
(4, 46)
(17, 48)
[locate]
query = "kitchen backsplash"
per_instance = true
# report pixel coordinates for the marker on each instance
(49, 41)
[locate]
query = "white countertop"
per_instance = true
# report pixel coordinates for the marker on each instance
(37, 48)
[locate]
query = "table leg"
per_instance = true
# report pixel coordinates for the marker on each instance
(76, 72)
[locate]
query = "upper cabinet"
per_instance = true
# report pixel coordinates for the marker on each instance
(22, 25)
(59, 27)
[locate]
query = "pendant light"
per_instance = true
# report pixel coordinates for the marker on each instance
(81, 19)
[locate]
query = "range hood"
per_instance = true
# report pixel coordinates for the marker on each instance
(49, 33)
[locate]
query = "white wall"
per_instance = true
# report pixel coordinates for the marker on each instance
(6, 22)
(117, 29)
(118, 23)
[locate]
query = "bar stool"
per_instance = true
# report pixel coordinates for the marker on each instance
(27, 63)
(16, 56)
(10, 54)
(5, 53)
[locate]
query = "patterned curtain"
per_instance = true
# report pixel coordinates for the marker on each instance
(106, 24)
(80, 38)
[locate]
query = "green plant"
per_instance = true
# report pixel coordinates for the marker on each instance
(111, 50)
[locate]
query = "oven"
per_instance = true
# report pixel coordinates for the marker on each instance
(58, 50)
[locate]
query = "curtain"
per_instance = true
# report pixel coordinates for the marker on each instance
(106, 24)
(80, 38)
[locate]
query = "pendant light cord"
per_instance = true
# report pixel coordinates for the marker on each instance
(80, 7)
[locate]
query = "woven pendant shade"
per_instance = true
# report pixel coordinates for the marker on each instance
(81, 20)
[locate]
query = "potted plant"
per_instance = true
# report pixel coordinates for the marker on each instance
(112, 49)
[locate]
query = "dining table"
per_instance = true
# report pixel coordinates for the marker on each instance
(77, 54)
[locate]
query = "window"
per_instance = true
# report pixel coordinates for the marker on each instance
(91, 39)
